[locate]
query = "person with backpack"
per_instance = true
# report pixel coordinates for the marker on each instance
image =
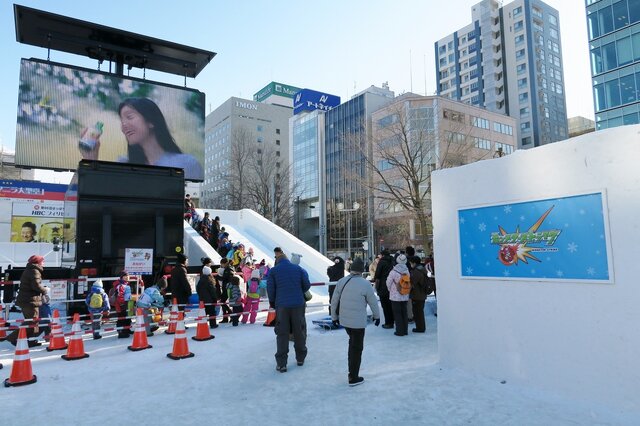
(399, 286)
(207, 294)
(252, 299)
(385, 265)
(150, 301)
(97, 305)
(121, 297)
(349, 308)
(419, 292)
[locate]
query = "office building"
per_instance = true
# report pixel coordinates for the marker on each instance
(580, 125)
(437, 132)
(614, 43)
(509, 60)
(240, 134)
(327, 150)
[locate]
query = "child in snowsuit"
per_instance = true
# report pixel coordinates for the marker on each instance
(252, 299)
(97, 304)
(150, 301)
(44, 313)
(235, 299)
(122, 297)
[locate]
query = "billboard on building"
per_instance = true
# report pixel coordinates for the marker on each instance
(274, 88)
(310, 100)
(558, 239)
(66, 114)
(32, 212)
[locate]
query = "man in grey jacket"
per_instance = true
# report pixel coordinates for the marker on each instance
(349, 308)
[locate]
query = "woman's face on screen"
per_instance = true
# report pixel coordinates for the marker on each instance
(133, 125)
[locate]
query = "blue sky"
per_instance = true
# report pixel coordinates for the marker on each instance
(339, 47)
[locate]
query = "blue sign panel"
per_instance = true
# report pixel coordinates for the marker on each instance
(559, 239)
(310, 100)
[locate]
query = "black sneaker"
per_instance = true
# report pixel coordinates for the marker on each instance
(97, 337)
(357, 381)
(282, 369)
(411, 321)
(387, 326)
(300, 363)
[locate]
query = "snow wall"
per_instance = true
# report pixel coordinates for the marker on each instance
(576, 338)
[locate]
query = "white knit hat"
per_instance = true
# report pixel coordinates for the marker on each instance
(401, 259)
(206, 271)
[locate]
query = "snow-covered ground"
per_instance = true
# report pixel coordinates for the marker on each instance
(232, 381)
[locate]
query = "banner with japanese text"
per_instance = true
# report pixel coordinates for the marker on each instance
(558, 239)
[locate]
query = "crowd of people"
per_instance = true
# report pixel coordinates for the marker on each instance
(401, 283)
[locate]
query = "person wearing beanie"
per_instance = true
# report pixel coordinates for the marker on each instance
(179, 284)
(122, 296)
(97, 303)
(207, 294)
(225, 273)
(151, 301)
(335, 273)
(349, 308)
(419, 292)
(399, 301)
(385, 265)
(29, 298)
(252, 300)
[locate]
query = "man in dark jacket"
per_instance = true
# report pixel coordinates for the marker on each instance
(286, 285)
(419, 293)
(385, 265)
(180, 287)
(335, 273)
(29, 297)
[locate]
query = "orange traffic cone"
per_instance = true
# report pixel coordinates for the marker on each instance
(271, 318)
(3, 324)
(21, 373)
(76, 345)
(173, 317)
(57, 341)
(202, 331)
(140, 335)
(180, 345)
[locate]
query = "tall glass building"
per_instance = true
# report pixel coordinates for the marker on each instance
(614, 43)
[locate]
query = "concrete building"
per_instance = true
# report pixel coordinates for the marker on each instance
(437, 132)
(327, 150)
(8, 169)
(276, 94)
(509, 60)
(580, 125)
(240, 127)
(614, 43)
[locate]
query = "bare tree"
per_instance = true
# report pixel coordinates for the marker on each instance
(405, 148)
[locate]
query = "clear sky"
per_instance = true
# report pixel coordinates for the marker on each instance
(335, 46)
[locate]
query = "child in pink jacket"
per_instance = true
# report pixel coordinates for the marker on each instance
(252, 299)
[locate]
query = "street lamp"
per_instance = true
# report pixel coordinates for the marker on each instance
(341, 208)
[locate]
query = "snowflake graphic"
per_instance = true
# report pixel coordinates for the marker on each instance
(566, 225)
(506, 273)
(522, 218)
(462, 221)
(602, 236)
(475, 213)
(559, 273)
(598, 252)
(582, 212)
(495, 218)
(469, 271)
(472, 246)
(572, 247)
(533, 271)
(507, 209)
(482, 227)
(591, 271)
(488, 263)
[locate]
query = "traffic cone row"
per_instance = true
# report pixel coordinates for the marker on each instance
(75, 350)
(56, 342)
(3, 324)
(180, 344)
(173, 318)
(202, 330)
(140, 334)
(21, 372)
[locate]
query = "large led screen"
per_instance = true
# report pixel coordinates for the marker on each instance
(66, 114)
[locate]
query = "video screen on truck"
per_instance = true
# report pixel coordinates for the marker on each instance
(66, 114)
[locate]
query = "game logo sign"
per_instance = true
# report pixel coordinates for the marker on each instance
(559, 239)
(66, 114)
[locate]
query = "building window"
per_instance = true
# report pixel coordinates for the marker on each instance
(526, 141)
(504, 147)
(522, 82)
(517, 11)
(537, 12)
(525, 126)
(523, 97)
(277, 141)
(277, 153)
(519, 39)
(277, 131)
(553, 33)
(521, 68)
(259, 128)
(278, 164)
(518, 26)
(260, 139)
(524, 111)
(520, 54)
(453, 115)
(482, 123)
(482, 143)
(553, 20)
